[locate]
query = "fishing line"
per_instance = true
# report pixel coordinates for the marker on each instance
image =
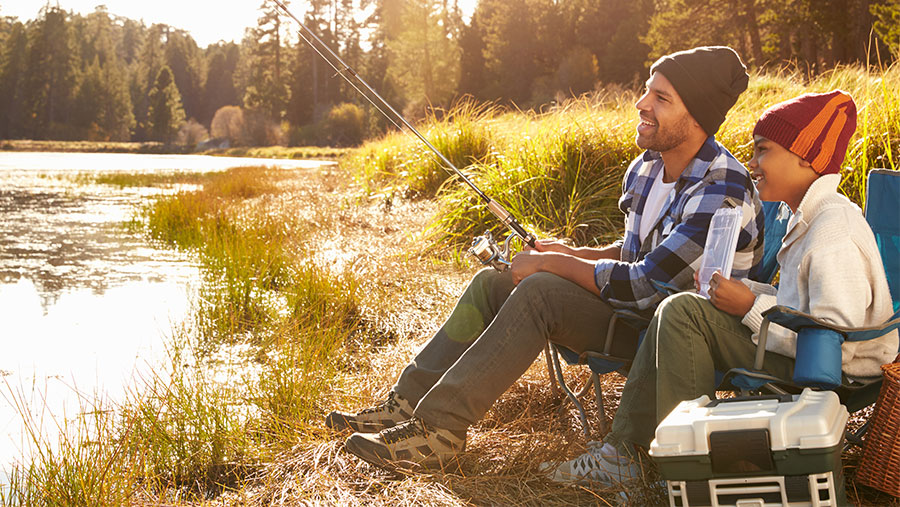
(483, 247)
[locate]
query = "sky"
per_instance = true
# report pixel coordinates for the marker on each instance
(207, 21)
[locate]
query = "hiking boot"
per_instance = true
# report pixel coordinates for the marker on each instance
(390, 412)
(412, 442)
(602, 465)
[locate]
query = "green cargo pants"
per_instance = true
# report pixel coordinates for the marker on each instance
(687, 341)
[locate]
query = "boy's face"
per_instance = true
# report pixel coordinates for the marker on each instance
(665, 121)
(780, 175)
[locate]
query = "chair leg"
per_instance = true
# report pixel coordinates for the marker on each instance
(856, 438)
(550, 371)
(562, 383)
(598, 393)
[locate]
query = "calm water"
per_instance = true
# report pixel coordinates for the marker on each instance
(85, 305)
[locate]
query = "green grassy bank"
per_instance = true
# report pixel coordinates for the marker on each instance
(316, 290)
(560, 171)
(156, 148)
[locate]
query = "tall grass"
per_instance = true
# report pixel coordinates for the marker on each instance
(81, 465)
(194, 427)
(560, 171)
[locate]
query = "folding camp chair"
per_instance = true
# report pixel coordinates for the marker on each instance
(883, 216)
(602, 361)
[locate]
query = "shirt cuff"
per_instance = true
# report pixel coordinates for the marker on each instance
(602, 272)
(753, 319)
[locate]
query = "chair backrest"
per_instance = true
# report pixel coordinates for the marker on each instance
(776, 218)
(883, 216)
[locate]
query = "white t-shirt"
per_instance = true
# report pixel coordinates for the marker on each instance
(654, 203)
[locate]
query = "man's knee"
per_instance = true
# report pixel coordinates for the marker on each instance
(540, 282)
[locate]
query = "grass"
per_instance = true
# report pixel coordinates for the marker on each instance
(300, 152)
(560, 171)
(139, 179)
(89, 146)
(317, 289)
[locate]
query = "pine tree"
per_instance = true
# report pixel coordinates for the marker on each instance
(165, 114)
(143, 73)
(424, 57)
(887, 24)
(12, 81)
(51, 68)
(188, 67)
(511, 49)
(267, 90)
(220, 89)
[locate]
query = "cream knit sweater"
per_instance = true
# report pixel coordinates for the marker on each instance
(830, 268)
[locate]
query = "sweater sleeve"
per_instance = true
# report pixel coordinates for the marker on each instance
(837, 288)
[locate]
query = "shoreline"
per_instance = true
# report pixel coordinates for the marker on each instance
(155, 148)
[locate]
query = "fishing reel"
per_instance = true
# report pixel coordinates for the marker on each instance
(489, 252)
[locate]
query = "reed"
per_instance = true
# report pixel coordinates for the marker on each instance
(559, 171)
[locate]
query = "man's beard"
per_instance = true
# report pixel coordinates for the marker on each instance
(665, 139)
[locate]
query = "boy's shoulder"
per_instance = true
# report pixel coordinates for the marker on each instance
(823, 203)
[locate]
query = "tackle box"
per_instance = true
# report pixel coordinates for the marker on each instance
(757, 450)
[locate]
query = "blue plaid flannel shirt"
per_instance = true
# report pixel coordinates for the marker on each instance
(674, 248)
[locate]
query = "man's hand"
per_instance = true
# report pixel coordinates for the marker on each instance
(730, 296)
(551, 245)
(526, 263)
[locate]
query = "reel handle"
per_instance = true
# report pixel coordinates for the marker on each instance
(488, 252)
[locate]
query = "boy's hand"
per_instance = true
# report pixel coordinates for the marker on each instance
(730, 296)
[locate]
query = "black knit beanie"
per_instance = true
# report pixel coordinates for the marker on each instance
(709, 80)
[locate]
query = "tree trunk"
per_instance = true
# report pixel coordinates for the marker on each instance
(752, 26)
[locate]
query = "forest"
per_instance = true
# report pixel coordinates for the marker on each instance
(102, 77)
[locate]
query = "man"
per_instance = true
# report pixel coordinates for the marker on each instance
(556, 292)
(830, 267)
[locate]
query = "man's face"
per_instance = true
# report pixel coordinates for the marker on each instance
(665, 121)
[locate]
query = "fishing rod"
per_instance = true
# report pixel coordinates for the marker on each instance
(483, 247)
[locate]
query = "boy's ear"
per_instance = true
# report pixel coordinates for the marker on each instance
(804, 163)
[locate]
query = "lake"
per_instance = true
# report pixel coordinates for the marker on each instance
(85, 304)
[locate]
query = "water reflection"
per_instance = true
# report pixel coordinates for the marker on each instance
(83, 300)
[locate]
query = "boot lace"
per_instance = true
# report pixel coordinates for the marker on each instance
(408, 429)
(389, 405)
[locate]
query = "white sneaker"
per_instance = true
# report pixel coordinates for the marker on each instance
(601, 465)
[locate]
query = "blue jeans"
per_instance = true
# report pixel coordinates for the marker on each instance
(493, 335)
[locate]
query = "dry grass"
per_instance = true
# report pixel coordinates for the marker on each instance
(410, 294)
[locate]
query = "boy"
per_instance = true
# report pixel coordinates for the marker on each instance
(830, 267)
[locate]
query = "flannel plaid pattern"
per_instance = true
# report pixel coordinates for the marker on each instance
(674, 248)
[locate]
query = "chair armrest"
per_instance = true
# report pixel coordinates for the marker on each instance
(665, 287)
(633, 316)
(796, 320)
